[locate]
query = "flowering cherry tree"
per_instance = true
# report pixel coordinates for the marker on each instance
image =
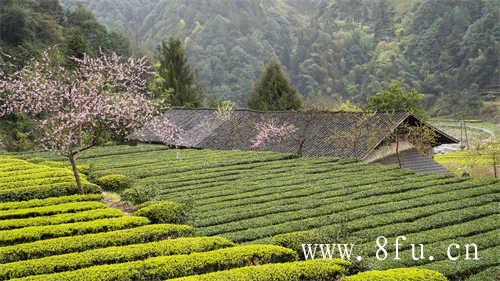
(75, 108)
(271, 131)
(165, 131)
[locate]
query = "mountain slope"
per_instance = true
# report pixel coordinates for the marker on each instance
(339, 48)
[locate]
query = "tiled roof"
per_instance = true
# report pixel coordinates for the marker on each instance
(320, 133)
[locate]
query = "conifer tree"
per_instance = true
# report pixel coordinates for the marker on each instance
(76, 46)
(274, 92)
(176, 76)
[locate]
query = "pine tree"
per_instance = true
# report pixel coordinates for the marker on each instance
(274, 92)
(76, 45)
(176, 76)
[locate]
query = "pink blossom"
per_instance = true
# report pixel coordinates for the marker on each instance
(165, 131)
(271, 131)
(74, 107)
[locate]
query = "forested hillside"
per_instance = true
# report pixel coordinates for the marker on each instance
(343, 49)
(28, 27)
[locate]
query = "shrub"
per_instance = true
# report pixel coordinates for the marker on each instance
(164, 212)
(294, 240)
(49, 201)
(84, 169)
(400, 274)
(311, 270)
(61, 218)
(114, 182)
(139, 195)
(110, 255)
(44, 191)
(164, 267)
(77, 243)
(51, 210)
(489, 274)
(33, 233)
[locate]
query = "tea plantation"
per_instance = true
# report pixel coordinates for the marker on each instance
(253, 199)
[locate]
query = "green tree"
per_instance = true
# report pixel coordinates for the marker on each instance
(175, 74)
(274, 92)
(75, 44)
(398, 99)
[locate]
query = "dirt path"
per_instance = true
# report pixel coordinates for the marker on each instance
(113, 200)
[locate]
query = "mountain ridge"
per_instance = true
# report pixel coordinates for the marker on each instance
(336, 48)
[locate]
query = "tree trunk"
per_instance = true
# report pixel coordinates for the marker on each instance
(301, 147)
(495, 165)
(71, 158)
(177, 153)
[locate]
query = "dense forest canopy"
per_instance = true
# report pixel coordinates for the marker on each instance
(344, 49)
(28, 27)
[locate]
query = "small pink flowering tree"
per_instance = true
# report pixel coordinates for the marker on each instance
(271, 131)
(165, 131)
(75, 108)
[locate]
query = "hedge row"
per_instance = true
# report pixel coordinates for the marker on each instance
(16, 166)
(438, 249)
(399, 274)
(182, 182)
(247, 193)
(311, 209)
(88, 215)
(39, 176)
(160, 268)
(111, 255)
(215, 172)
(311, 270)
(211, 193)
(28, 234)
(32, 171)
(489, 274)
(221, 159)
(51, 210)
(431, 229)
(293, 197)
(78, 243)
(461, 267)
(45, 191)
(36, 182)
(101, 151)
(399, 211)
(164, 212)
(49, 201)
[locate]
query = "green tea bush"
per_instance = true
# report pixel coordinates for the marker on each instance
(139, 195)
(51, 210)
(294, 240)
(400, 274)
(113, 182)
(84, 168)
(61, 218)
(164, 212)
(49, 201)
(111, 255)
(165, 267)
(28, 234)
(489, 274)
(49, 178)
(77, 243)
(30, 192)
(311, 270)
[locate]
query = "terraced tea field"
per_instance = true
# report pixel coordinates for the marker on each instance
(61, 235)
(255, 198)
